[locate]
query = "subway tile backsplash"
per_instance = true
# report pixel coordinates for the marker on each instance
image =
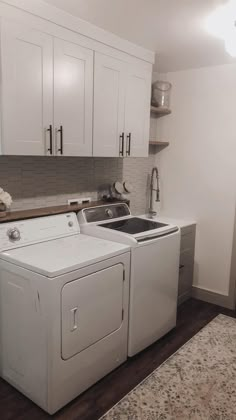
(35, 181)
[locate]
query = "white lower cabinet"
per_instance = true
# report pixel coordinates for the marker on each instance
(121, 107)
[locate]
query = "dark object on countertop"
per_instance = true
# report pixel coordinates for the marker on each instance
(110, 199)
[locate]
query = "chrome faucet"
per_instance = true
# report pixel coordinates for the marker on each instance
(152, 212)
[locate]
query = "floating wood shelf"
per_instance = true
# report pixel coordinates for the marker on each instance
(159, 143)
(160, 112)
(48, 211)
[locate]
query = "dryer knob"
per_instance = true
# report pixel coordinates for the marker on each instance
(70, 224)
(14, 234)
(109, 212)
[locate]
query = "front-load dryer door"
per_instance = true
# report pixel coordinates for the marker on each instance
(92, 308)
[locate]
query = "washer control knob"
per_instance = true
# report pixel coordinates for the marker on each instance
(109, 212)
(13, 234)
(70, 224)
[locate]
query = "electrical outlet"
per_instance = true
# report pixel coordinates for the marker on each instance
(81, 200)
(73, 201)
(85, 200)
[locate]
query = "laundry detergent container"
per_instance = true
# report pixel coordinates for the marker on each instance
(161, 94)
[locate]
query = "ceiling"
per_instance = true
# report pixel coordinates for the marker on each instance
(174, 29)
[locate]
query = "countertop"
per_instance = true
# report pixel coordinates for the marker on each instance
(174, 221)
(13, 216)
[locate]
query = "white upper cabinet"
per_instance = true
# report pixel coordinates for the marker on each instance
(109, 102)
(47, 94)
(137, 111)
(27, 90)
(73, 99)
(69, 88)
(121, 107)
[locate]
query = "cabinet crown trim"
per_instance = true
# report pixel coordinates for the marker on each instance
(74, 23)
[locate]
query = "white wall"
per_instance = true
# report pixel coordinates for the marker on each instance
(198, 169)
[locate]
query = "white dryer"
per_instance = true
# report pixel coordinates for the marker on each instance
(63, 308)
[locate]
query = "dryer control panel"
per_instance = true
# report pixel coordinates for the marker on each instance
(40, 229)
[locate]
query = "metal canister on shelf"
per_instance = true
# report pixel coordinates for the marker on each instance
(161, 94)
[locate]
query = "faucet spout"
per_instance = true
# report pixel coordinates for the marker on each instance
(152, 212)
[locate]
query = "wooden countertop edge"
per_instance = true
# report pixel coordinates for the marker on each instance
(13, 216)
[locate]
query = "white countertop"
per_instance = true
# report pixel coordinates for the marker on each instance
(174, 221)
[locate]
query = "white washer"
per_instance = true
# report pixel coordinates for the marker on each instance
(155, 249)
(63, 308)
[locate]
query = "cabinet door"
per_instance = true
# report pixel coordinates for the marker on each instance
(186, 265)
(27, 89)
(109, 100)
(185, 273)
(137, 111)
(73, 99)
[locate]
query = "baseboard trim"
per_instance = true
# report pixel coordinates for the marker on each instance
(212, 297)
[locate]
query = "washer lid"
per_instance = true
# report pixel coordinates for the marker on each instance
(133, 225)
(60, 256)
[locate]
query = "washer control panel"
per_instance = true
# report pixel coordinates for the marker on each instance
(40, 229)
(104, 212)
(109, 213)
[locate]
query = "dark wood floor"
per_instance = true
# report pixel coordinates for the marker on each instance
(192, 316)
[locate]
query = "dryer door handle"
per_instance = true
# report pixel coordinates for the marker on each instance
(73, 319)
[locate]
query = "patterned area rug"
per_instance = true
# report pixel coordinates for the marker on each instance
(197, 383)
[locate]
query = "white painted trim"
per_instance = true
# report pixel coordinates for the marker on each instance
(206, 289)
(18, 15)
(73, 23)
(1, 93)
(212, 297)
(232, 280)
